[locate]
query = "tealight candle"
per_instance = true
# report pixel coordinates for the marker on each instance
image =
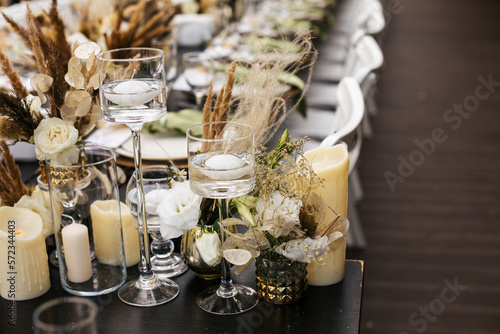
(132, 93)
(332, 165)
(76, 247)
(107, 232)
(24, 268)
(225, 167)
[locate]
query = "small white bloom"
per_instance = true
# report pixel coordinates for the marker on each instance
(304, 250)
(53, 137)
(39, 202)
(179, 210)
(208, 245)
(278, 214)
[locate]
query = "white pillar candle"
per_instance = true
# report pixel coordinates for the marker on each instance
(75, 239)
(24, 268)
(130, 237)
(331, 164)
(107, 232)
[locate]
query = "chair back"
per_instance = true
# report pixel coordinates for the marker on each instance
(350, 116)
(364, 57)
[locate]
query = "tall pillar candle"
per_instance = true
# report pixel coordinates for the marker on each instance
(332, 165)
(107, 232)
(24, 268)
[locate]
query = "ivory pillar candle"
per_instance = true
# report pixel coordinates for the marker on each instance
(107, 232)
(76, 246)
(24, 268)
(331, 164)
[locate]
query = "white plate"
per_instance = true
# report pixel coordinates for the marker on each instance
(161, 146)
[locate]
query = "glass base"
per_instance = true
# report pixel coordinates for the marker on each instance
(169, 267)
(244, 300)
(145, 293)
(53, 258)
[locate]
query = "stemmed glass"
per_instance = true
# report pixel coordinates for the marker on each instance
(157, 179)
(169, 47)
(198, 71)
(132, 91)
(221, 166)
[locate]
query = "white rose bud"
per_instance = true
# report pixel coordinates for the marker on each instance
(208, 245)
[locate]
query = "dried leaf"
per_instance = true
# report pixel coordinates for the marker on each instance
(84, 106)
(41, 83)
(74, 98)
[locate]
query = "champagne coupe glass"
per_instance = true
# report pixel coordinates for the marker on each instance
(198, 72)
(221, 166)
(157, 179)
(132, 91)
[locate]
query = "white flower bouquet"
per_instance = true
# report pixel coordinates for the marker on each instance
(283, 215)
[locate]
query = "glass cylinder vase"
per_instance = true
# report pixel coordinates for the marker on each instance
(87, 222)
(280, 281)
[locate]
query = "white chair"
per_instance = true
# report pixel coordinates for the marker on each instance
(320, 124)
(351, 134)
(363, 58)
(345, 128)
(367, 19)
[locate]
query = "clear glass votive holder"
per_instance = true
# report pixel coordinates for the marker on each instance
(66, 315)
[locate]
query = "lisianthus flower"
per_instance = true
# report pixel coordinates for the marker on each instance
(208, 245)
(304, 250)
(179, 210)
(278, 214)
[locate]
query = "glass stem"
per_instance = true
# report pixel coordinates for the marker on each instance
(199, 100)
(144, 264)
(226, 288)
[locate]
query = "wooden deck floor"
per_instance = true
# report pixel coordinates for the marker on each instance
(441, 226)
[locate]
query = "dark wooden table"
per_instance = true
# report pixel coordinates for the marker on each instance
(331, 309)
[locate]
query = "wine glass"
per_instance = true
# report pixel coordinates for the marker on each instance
(157, 179)
(221, 166)
(169, 47)
(133, 91)
(198, 71)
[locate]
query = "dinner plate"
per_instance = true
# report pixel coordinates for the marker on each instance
(160, 146)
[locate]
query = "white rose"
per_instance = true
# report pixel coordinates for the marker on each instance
(54, 140)
(208, 245)
(304, 250)
(179, 210)
(39, 202)
(278, 214)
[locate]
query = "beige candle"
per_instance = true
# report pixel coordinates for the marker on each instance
(107, 232)
(24, 268)
(331, 164)
(75, 238)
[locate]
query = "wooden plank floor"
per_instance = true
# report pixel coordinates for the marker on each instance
(442, 225)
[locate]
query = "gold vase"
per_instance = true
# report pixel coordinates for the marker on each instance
(192, 257)
(280, 281)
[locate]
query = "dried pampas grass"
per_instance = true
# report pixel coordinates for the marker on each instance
(12, 187)
(261, 102)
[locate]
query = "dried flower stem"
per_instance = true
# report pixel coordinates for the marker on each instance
(14, 79)
(12, 188)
